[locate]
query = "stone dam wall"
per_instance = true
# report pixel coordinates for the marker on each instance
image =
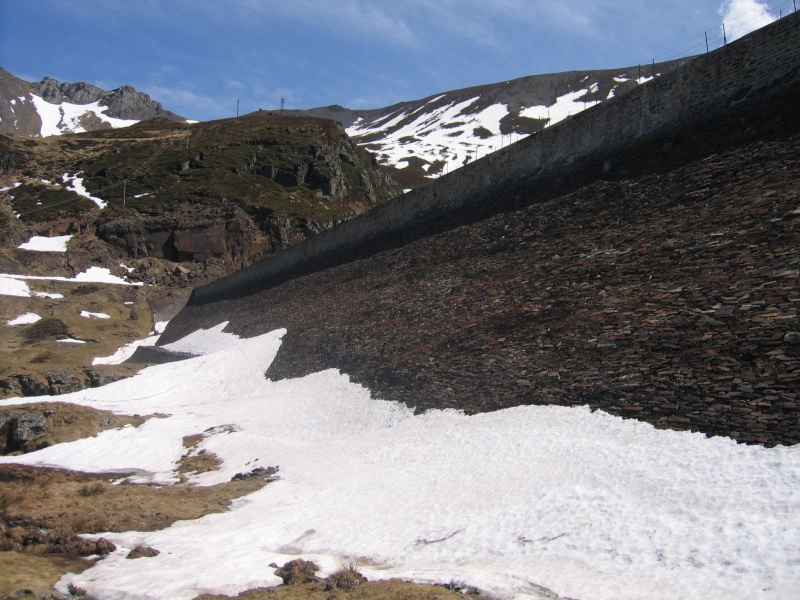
(664, 289)
(755, 66)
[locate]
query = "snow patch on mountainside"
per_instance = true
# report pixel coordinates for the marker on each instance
(435, 135)
(70, 118)
(75, 184)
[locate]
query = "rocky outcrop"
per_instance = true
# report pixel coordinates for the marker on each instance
(226, 195)
(126, 103)
(180, 233)
(75, 93)
(21, 428)
(142, 551)
(64, 381)
(123, 102)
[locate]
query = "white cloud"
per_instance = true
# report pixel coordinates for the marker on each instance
(740, 17)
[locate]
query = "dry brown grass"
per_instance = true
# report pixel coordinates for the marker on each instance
(68, 422)
(65, 503)
(391, 589)
(346, 583)
(195, 462)
(33, 350)
(33, 571)
(85, 503)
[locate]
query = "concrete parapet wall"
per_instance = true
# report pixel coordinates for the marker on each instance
(764, 62)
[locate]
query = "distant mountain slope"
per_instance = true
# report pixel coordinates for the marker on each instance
(53, 108)
(212, 196)
(422, 139)
(416, 140)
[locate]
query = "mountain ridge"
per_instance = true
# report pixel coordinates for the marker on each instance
(76, 107)
(420, 140)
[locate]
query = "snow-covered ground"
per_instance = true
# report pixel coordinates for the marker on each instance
(67, 118)
(457, 132)
(25, 319)
(515, 502)
(46, 244)
(75, 183)
(14, 285)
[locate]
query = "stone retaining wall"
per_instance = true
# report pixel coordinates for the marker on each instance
(764, 62)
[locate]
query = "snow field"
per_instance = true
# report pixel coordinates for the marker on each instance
(584, 504)
(26, 319)
(94, 315)
(66, 117)
(90, 275)
(447, 134)
(46, 244)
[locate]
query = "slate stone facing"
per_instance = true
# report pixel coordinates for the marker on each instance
(667, 293)
(656, 280)
(716, 85)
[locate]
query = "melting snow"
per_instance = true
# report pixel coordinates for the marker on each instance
(92, 274)
(565, 106)
(25, 319)
(9, 286)
(47, 244)
(76, 185)
(94, 315)
(125, 352)
(582, 503)
(66, 117)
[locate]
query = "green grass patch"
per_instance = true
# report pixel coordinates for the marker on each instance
(39, 202)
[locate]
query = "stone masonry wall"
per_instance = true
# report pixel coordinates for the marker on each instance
(662, 288)
(755, 66)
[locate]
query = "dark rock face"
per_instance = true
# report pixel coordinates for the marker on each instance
(32, 387)
(123, 102)
(18, 428)
(182, 233)
(65, 382)
(26, 428)
(75, 93)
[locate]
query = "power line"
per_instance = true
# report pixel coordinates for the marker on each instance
(123, 183)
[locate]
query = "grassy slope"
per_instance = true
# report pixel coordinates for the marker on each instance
(228, 160)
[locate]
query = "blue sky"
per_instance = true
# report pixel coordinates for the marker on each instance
(197, 57)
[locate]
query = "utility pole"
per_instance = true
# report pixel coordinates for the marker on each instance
(724, 36)
(283, 101)
(237, 108)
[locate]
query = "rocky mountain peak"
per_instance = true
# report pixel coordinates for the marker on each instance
(20, 114)
(75, 93)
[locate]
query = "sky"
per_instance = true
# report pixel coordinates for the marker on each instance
(198, 57)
